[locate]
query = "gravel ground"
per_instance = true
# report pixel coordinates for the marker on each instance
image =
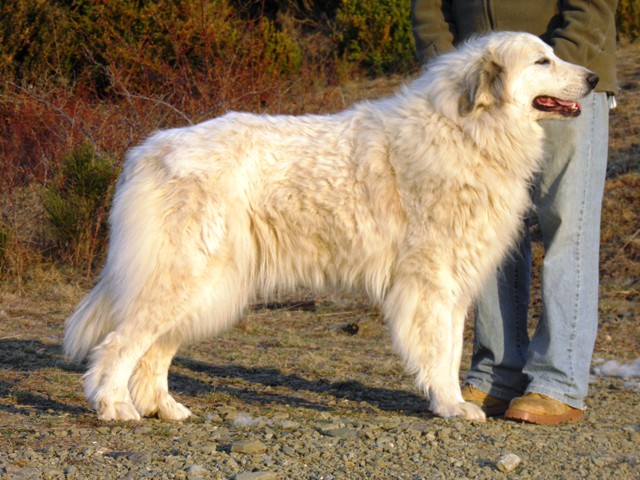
(229, 443)
(291, 395)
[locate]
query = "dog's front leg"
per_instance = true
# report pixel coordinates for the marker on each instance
(426, 328)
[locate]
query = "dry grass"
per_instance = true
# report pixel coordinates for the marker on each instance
(619, 334)
(624, 137)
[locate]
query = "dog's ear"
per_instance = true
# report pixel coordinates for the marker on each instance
(482, 86)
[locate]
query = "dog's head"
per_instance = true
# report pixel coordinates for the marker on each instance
(521, 70)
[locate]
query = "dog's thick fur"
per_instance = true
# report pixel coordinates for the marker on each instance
(414, 199)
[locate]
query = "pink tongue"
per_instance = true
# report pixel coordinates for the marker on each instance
(565, 104)
(552, 102)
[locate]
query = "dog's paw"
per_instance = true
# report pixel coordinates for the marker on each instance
(121, 411)
(172, 411)
(472, 412)
(461, 409)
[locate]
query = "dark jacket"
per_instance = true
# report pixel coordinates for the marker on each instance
(580, 31)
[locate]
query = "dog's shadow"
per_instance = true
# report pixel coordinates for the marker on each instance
(22, 390)
(270, 386)
(20, 394)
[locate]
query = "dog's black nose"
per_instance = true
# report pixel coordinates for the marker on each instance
(592, 80)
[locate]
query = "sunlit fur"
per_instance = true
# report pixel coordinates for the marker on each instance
(413, 199)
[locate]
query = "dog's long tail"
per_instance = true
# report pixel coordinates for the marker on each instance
(91, 321)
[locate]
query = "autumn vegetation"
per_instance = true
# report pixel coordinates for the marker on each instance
(81, 81)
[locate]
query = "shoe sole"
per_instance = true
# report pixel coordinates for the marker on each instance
(537, 419)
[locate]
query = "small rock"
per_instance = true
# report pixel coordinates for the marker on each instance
(196, 471)
(421, 427)
(205, 447)
(231, 464)
(508, 463)
(243, 420)
(71, 470)
(173, 460)
(256, 476)
(344, 433)
(386, 442)
(605, 461)
(21, 473)
(251, 447)
(213, 418)
(52, 474)
(370, 434)
(139, 458)
(288, 450)
(289, 425)
(380, 463)
(328, 426)
(280, 416)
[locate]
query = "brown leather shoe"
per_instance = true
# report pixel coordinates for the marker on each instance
(490, 405)
(541, 410)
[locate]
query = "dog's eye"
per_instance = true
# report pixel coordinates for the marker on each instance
(543, 61)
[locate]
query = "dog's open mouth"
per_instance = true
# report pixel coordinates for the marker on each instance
(551, 104)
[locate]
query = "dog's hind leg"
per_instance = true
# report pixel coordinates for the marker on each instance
(148, 319)
(128, 374)
(426, 335)
(112, 364)
(149, 385)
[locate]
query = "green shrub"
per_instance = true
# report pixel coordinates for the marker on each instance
(376, 34)
(77, 204)
(37, 41)
(282, 54)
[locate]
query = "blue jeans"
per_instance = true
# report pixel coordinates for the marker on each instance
(568, 194)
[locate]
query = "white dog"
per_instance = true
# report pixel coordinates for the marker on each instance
(413, 199)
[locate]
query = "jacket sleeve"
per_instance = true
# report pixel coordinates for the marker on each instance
(433, 27)
(585, 31)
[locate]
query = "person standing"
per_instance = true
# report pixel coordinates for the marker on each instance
(542, 379)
